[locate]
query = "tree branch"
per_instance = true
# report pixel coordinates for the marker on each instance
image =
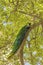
(20, 51)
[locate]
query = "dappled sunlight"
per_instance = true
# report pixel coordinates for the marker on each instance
(21, 32)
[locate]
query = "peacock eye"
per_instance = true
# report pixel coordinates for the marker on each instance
(29, 23)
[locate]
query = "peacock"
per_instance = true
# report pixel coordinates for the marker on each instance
(19, 39)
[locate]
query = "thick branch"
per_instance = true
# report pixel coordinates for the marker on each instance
(20, 51)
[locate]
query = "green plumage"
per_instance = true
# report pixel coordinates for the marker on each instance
(19, 39)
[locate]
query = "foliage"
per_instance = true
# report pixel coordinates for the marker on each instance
(14, 14)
